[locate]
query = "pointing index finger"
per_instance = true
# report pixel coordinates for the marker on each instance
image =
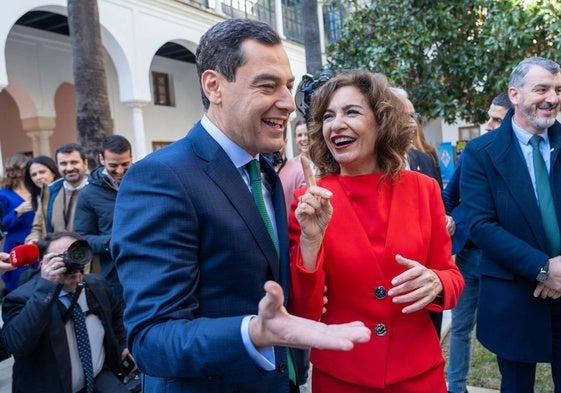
(308, 173)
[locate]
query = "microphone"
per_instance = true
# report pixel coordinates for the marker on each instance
(25, 254)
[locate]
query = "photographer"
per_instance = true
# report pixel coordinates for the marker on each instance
(43, 320)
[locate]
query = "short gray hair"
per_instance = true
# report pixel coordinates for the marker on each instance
(517, 78)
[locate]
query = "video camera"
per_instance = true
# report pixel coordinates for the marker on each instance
(306, 88)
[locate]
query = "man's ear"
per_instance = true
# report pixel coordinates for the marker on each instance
(101, 159)
(513, 95)
(210, 83)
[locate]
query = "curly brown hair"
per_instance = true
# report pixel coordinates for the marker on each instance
(14, 171)
(393, 125)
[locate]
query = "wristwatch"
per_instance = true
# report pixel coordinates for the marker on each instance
(544, 272)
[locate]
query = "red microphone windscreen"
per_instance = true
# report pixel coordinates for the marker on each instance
(23, 255)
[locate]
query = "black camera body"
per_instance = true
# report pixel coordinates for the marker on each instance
(306, 88)
(77, 256)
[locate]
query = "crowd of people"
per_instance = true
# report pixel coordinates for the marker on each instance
(217, 264)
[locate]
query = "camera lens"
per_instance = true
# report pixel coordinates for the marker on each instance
(78, 254)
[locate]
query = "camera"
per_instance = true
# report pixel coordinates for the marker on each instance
(77, 256)
(306, 88)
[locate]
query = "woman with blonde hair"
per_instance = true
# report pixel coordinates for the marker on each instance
(17, 211)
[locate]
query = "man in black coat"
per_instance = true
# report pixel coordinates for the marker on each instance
(94, 209)
(40, 334)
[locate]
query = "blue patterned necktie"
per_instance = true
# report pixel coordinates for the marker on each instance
(545, 198)
(257, 192)
(84, 349)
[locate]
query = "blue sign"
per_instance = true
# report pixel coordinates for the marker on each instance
(446, 160)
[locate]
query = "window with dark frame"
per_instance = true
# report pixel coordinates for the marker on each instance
(160, 81)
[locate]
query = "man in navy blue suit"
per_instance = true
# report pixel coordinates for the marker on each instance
(203, 278)
(519, 312)
(467, 260)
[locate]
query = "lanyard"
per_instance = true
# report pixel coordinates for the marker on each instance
(67, 209)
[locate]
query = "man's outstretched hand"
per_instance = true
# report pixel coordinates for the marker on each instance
(275, 326)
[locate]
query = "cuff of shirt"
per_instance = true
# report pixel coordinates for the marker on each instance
(263, 358)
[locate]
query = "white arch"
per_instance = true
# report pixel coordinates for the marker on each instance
(10, 15)
(23, 100)
(128, 26)
(120, 61)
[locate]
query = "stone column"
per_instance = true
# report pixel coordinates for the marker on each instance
(278, 18)
(139, 142)
(321, 25)
(39, 129)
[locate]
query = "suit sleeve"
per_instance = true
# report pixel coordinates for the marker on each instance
(480, 204)
(451, 193)
(439, 257)
(306, 287)
(26, 313)
(37, 228)
(156, 246)
(86, 224)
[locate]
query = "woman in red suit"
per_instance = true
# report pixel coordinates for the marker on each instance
(375, 235)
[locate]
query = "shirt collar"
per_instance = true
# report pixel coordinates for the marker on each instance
(235, 152)
(68, 187)
(110, 178)
(524, 136)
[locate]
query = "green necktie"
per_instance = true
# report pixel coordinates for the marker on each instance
(257, 191)
(545, 199)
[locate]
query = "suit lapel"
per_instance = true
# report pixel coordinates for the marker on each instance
(220, 169)
(505, 155)
(57, 335)
(279, 205)
(554, 134)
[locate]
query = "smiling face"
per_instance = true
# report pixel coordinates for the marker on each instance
(537, 101)
(116, 164)
(253, 110)
(72, 167)
(349, 130)
(302, 138)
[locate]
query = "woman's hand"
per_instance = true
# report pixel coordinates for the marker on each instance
(23, 208)
(418, 285)
(313, 213)
(5, 265)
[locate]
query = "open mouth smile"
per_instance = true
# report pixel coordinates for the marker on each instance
(341, 141)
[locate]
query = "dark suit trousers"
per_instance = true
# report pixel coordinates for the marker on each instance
(107, 382)
(518, 377)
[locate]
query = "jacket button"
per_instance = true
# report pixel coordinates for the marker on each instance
(380, 292)
(380, 329)
(282, 368)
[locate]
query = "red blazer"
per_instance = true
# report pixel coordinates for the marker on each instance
(402, 345)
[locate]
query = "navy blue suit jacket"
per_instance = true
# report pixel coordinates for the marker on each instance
(504, 221)
(193, 254)
(451, 195)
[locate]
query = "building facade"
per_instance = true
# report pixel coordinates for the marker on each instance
(149, 49)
